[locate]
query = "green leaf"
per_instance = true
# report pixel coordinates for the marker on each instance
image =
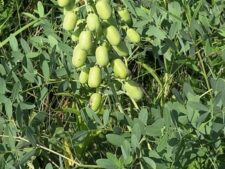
(13, 42)
(30, 136)
(106, 163)
(143, 115)
(105, 117)
(38, 119)
(156, 32)
(16, 91)
(49, 166)
(115, 139)
(25, 45)
(27, 156)
(136, 130)
(43, 93)
(150, 162)
(117, 162)
(32, 55)
(8, 108)
(26, 106)
(40, 9)
(155, 129)
(173, 30)
(126, 151)
(30, 15)
(188, 91)
(52, 41)
(130, 6)
(134, 141)
(162, 144)
(30, 77)
(2, 86)
(174, 10)
(17, 56)
(45, 70)
(2, 70)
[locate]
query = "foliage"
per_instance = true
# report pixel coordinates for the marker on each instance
(46, 120)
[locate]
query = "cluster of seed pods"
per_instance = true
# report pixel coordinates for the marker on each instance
(100, 35)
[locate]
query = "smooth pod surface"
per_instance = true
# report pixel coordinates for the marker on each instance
(104, 9)
(133, 90)
(94, 78)
(69, 7)
(102, 56)
(119, 68)
(83, 77)
(69, 21)
(125, 16)
(79, 57)
(95, 101)
(113, 35)
(85, 40)
(93, 22)
(121, 49)
(63, 3)
(133, 35)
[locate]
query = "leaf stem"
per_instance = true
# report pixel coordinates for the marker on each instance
(204, 72)
(4, 42)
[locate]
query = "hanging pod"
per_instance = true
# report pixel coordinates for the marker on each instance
(93, 22)
(94, 77)
(104, 9)
(63, 3)
(102, 56)
(133, 35)
(83, 77)
(69, 21)
(125, 16)
(95, 101)
(133, 90)
(85, 40)
(119, 68)
(113, 35)
(79, 57)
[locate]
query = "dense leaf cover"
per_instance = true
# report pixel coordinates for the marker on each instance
(155, 98)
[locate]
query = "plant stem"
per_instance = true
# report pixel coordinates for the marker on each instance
(204, 73)
(18, 32)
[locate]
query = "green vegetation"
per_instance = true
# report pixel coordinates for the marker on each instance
(112, 84)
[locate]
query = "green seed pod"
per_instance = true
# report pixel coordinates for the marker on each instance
(95, 101)
(102, 56)
(133, 35)
(104, 9)
(121, 49)
(85, 40)
(133, 90)
(113, 35)
(83, 78)
(79, 57)
(95, 77)
(70, 7)
(69, 21)
(119, 68)
(125, 16)
(93, 22)
(63, 3)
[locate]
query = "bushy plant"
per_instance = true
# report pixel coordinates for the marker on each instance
(114, 84)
